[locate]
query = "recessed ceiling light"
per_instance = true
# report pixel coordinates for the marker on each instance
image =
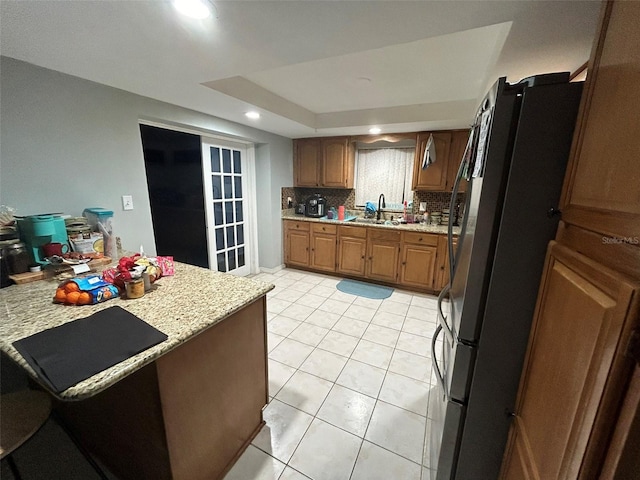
(198, 9)
(252, 115)
(374, 130)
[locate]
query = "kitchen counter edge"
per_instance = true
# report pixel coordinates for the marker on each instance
(181, 306)
(407, 227)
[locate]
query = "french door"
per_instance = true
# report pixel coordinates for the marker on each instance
(225, 169)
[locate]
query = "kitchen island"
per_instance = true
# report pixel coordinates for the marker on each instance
(185, 408)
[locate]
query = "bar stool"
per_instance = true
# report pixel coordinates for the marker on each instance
(23, 413)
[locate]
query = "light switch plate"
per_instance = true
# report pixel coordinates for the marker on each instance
(127, 202)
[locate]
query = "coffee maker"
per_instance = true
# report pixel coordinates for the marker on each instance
(37, 230)
(316, 206)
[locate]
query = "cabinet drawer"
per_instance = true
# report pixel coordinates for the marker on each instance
(320, 228)
(420, 238)
(380, 234)
(357, 232)
(296, 225)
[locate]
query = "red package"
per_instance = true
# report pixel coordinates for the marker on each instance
(166, 265)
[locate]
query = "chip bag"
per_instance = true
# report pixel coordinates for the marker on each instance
(85, 291)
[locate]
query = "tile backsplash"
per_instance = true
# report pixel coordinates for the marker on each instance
(335, 196)
(436, 201)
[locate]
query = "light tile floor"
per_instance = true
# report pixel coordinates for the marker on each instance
(349, 384)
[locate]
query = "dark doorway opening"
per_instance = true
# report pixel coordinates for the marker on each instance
(173, 162)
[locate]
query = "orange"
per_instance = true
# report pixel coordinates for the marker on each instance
(71, 287)
(61, 295)
(84, 298)
(73, 297)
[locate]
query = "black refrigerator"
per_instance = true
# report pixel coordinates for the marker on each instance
(515, 163)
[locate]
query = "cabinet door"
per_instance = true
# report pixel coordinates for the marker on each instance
(297, 248)
(418, 266)
(575, 363)
(601, 188)
(442, 276)
(307, 156)
(335, 166)
(351, 256)
(433, 177)
(458, 144)
(323, 252)
(382, 260)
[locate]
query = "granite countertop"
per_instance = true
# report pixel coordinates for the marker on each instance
(290, 214)
(180, 306)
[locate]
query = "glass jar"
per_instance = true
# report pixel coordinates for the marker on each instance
(18, 259)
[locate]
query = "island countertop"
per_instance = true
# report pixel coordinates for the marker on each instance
(181, 306)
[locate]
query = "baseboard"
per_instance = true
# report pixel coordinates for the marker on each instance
(272, 270)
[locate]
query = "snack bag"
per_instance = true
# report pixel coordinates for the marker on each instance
(166, 265)
(85, 291)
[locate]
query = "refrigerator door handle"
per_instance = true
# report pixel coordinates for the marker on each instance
(442, 319)
(464, 164)
(434, 359)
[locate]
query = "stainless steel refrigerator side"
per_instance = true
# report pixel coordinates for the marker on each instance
(540, 154)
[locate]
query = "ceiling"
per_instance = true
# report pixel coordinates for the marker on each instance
(311, 68)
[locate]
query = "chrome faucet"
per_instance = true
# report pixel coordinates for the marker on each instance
(380, 198)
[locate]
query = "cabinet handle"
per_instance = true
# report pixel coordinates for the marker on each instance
(420, 239)
(362, 257)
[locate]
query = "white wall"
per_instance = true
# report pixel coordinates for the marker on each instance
(67, 144)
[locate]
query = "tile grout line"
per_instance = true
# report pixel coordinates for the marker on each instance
(350, 357)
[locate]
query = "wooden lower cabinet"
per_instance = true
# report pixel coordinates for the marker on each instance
(190, 413)
(323, 247)
(418, 259)
(383, 250)
(296, 243)
(352, 250)
(442, 270)
(405, 258)
(574, 370)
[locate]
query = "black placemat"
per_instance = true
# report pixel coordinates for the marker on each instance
(65, 355)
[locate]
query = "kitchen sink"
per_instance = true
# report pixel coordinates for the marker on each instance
(368, 220)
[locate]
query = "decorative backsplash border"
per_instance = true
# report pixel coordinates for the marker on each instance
(436, 201)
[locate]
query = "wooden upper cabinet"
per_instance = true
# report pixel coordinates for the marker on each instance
(459, 140)
(337, 163)
(575, 369)
(307, 155)
(602, 188)
(323, 162)
(433, 177)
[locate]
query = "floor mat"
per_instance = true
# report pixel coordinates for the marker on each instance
(364, 289)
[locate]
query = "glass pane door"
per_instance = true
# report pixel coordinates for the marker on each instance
(225, 198)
